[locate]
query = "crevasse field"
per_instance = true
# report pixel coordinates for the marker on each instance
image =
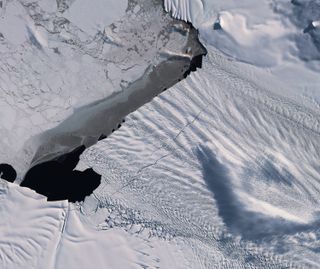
(221, 170)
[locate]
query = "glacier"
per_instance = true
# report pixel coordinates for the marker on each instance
(221, 170)
(227, 160)
(225, 165)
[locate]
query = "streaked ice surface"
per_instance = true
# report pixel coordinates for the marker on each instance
(227, 160)
(220, 171)
(222, 163)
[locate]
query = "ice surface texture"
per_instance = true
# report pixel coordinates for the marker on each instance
(220, 171)
(221, 163)
(227, 160)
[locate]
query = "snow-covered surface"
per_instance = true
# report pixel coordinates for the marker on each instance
(220, 171)
(30, 227)
(40, 234)
(270, 36)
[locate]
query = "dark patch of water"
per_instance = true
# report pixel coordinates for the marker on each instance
(57, 179)
(7, 172)
(195, 63)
